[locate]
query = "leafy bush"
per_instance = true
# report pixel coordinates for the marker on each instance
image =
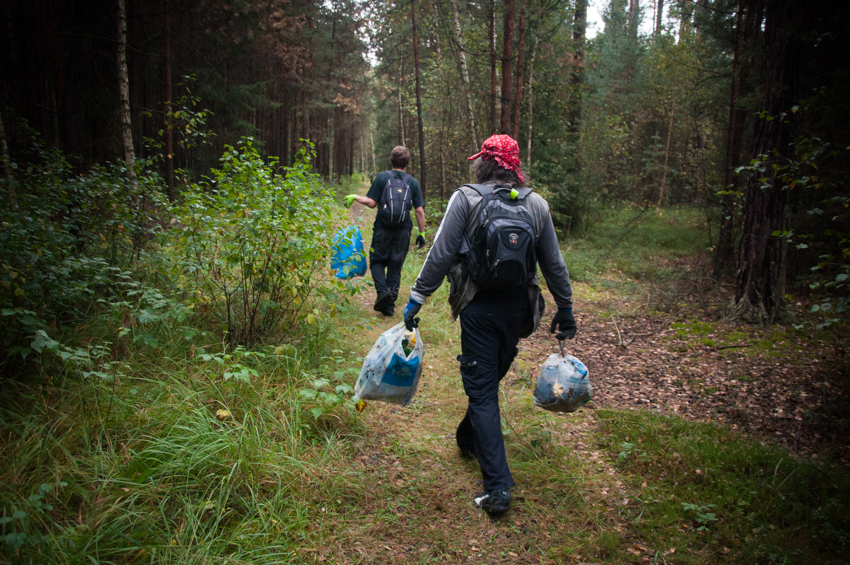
(252, 247)
(64, 241)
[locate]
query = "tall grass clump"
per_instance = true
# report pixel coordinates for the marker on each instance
(178, 398)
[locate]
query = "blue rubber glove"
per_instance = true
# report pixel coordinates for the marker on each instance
(565, 322)
(410, 311)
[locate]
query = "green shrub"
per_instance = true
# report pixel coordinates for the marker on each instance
(253, 247)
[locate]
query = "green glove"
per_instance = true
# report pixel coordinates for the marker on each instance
(349, 200)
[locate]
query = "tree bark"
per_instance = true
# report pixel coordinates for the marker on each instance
(166, 95)
(577, 75)
(634, 24)
(507, 65)
(124, 93)
(491, 27)
(7, 165)
(422, 166)
(531, 99)
(400, 112)
(666, 157)
(464, 73)
(685, 22)
(519, 71)
(760, 282)
(659, 15)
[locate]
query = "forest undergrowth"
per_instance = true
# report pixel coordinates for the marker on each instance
(197, 451)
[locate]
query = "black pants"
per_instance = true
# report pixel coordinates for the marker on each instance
(386, 259)
(489, 335)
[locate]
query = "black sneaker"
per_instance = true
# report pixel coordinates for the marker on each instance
(382, 302)
(389, 312)
(496, 502)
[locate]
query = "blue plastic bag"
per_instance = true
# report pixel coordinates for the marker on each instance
(563, 385)
(389, 374)
(348, 258)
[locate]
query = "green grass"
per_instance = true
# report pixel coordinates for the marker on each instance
(706, 490)
(625, 244)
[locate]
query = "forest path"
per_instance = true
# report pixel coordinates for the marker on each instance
(417, 504)
(414, 501)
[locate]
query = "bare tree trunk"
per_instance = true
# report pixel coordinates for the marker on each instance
(666, 157)
(634, 24)
(124, 93)
(166, 88)
(519, 71)
(760, 282)
(400, 112)
(723, 252)
(422, 166)
(531, 100)
(685, 22)
(507, 65)
(491, 29)
(659, 17)
(372, 143)
(577, 75)
(7, 164)
(464, 73)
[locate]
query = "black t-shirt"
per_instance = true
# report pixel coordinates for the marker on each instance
(376, 191)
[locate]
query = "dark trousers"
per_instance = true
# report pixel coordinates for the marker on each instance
(386, 259)
(489, 335)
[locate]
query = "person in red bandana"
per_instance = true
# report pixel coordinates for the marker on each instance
(497, 305)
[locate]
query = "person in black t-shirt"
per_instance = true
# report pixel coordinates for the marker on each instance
(390, 245)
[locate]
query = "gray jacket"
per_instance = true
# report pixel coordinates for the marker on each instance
(446, 257)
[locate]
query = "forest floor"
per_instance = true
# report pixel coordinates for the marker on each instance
(575, 500)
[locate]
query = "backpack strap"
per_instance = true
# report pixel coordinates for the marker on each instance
(485, 189)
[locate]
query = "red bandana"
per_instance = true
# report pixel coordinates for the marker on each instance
(504, 150)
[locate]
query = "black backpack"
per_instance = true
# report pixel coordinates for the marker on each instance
(502, 251)
(396, 200)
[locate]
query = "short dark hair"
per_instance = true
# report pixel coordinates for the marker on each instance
(400, 157)
(488, 170)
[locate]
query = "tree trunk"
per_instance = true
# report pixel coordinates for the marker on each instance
(7, 165)
(577, 75)
(166, 96)
(372, 143)
(422, 167)
(124, 94)
(634, 24)
(507, 65)
(520, 63)
(491, 28)
(760, 283)
(685, 22)
(659, 15)
(531, 99)
(464, 73)
(400, 113)
(666, 157)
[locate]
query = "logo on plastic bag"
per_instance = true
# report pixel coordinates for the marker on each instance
(400, 372)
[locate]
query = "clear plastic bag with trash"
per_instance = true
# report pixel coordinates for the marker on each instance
(563, 384)
(392, 368)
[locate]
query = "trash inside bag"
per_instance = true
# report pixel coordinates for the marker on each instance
(348, 258)
(563, 385)
(392, 368)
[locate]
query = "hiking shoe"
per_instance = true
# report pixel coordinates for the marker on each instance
(496, 502)
(382, 302)
(388, 311)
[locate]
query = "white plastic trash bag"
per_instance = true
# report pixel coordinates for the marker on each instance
(389, 374)
(563, 385)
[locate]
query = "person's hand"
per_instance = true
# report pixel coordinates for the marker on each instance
(410, 311)
(565, 322)
(420, 240)
(349, 200)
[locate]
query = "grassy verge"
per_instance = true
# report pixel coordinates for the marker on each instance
(702, 492)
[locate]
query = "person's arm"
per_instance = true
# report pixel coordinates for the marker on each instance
(365, 200)
(552, 265)
(420, 218)
(446, 244)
